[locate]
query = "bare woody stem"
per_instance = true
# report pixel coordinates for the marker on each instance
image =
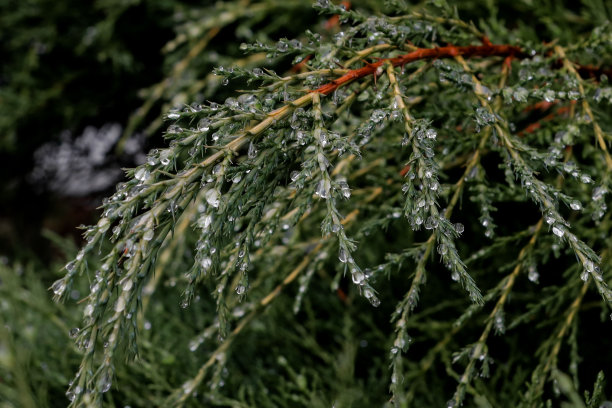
(451, 51)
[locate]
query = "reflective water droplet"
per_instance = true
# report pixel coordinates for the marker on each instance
(240, 289)
(74, 332)
(225, 81)
(104, 383)
(576, 205)
(204, 125)
(558, 231)
(120, 305)
(323, 188)
(212, 197)
(532, 274)
(459, 228)
(252, 152)
(584, 276)
(455, 276)
(184, 304)
(342, 255)
(58, 287)
(586, 179)
(378, 115)
(431, 133)
(127, 285)
(142, 174)
(358, 277)
(148, 235)
(236, 179)
(70, 266)
(173, 115)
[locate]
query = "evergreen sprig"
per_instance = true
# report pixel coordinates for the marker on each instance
(275, 180)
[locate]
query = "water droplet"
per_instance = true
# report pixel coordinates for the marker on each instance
(212, 197)
(127, 285)
(244, 46)
(358, 277)
(120, 305)
(455, 276)
(323, 188)
(532, 274)
(173, 115)
(174, 129)
(70, 266)
(378, 115)
(342, 255)
(236, 179)
(240, 289)
(558, 231)
(442, 249)
(576, 205)
(148, 235)
(74, 332)
(459, 228)
(204, 125)
(58, 287)
(184, 304)
(225, 81)
(142, 174)
(586, 179)
(431, 133)
(549, 95)
(252, 152)
(104, 383)
(584, 276)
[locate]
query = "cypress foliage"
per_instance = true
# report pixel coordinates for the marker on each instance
(416, 215)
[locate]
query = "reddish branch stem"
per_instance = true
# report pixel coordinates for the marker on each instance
(451, 51)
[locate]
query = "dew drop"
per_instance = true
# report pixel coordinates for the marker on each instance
(58, 287)
(358, 277)
(173, 115)
(558, 231)
(74, 332)
(142, 174)
(252, 152)
(459, 228)
(104, 383)
(576, 205)
(212, 198)
(70, 266)
(204, 125)
(342, 255)
(240, 289)
(148, 235)
(584, 276)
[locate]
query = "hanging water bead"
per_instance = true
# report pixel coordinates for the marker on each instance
(323, 188)
(148, 235)
(142, 174)
(204, 125)
(431, 134)
(369, 294)
(558, 231)
(358, 277)
(252, 152)
(58, 287)
(532, 274)
(212, 197)
(173, 115)
(174, 129)
(459, 228)
(240, 289)
(342, 255)
(104, 383)
(576, 205)
(74, 332)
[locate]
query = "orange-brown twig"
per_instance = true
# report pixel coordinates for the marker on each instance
(451, 51)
